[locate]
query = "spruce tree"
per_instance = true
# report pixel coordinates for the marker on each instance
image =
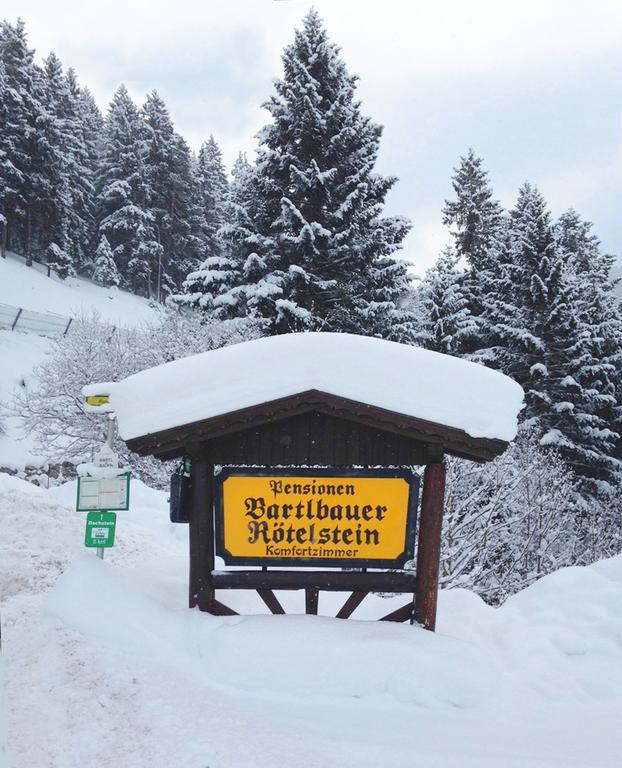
(476, 222)
(449, 320)
(598, 361)
(474, 216)
(169, 185)
(123, 215)
(105, 270)
(19, 112)
(542, 336)
(80, 170)
(58, 260)
(221, 285)
(57, 173)
(317, 245)
(213, 190)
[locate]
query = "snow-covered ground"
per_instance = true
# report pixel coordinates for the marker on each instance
(106, 666)
(20, 352)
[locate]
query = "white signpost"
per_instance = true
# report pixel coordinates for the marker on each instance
(102, 486)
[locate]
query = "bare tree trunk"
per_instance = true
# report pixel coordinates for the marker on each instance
(5, 227)
(28, 237)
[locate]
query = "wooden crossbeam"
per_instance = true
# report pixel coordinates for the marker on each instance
(271, 600)
(351, 604)
(220, 609)
(405, 613)
(337, 581)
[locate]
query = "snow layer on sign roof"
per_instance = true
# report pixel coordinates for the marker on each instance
(400, 378)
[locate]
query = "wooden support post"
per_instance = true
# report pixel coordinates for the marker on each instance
(429, 544)
(311, 601)
(202, 535)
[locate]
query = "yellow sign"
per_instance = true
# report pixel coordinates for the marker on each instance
(96, 400)
(316, 517)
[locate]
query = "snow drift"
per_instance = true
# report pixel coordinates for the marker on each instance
(105, 665)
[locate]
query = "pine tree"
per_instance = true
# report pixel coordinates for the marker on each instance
(58, 260)
(57, 145)
(476, 220)
(92, 130)
(537, 318)
(474, 215)
(316, 244)
(213, 189)
(597, 373)
(19, 112)
(449, 320)
(123, 215)
(169, 184)
(222, 283)
(105, 270)
(80, 170)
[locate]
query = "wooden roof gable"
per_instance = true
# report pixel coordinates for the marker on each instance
(181, 440)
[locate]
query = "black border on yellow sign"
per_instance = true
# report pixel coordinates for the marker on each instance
(397, 472)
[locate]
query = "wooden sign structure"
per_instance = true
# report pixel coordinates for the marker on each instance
(302, 432)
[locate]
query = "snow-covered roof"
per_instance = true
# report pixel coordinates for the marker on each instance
(403, 379)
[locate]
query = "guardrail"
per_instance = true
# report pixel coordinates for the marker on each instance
(42, 323)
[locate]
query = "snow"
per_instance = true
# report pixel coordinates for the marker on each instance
(20, 353)
(407, 380)
(30, 288)
(105, 666)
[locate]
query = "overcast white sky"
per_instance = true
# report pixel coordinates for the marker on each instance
(534, 86)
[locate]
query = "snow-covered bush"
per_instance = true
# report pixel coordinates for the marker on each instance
(509, 522)
(51, 406)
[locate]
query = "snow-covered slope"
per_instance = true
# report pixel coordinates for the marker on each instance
(20, 352)
(106, 666)
(30, 288)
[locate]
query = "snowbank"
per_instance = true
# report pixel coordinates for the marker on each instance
(404, 379)
(105, 665)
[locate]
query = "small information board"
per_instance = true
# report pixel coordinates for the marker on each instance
(100, 528)
(104, 493)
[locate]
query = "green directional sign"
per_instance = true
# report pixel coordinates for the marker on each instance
(100, 529)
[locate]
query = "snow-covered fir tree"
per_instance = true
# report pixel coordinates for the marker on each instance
(59, 261)
(213, 190)
(169, 187)
(59, 142)
(105, 270)
(123, 215)
(474, 216)
(476, 221)
(449, 322)
(80, 170)
(538, 331)
(19, 112)
(319, 250)
(221, 283)
(598, 360)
